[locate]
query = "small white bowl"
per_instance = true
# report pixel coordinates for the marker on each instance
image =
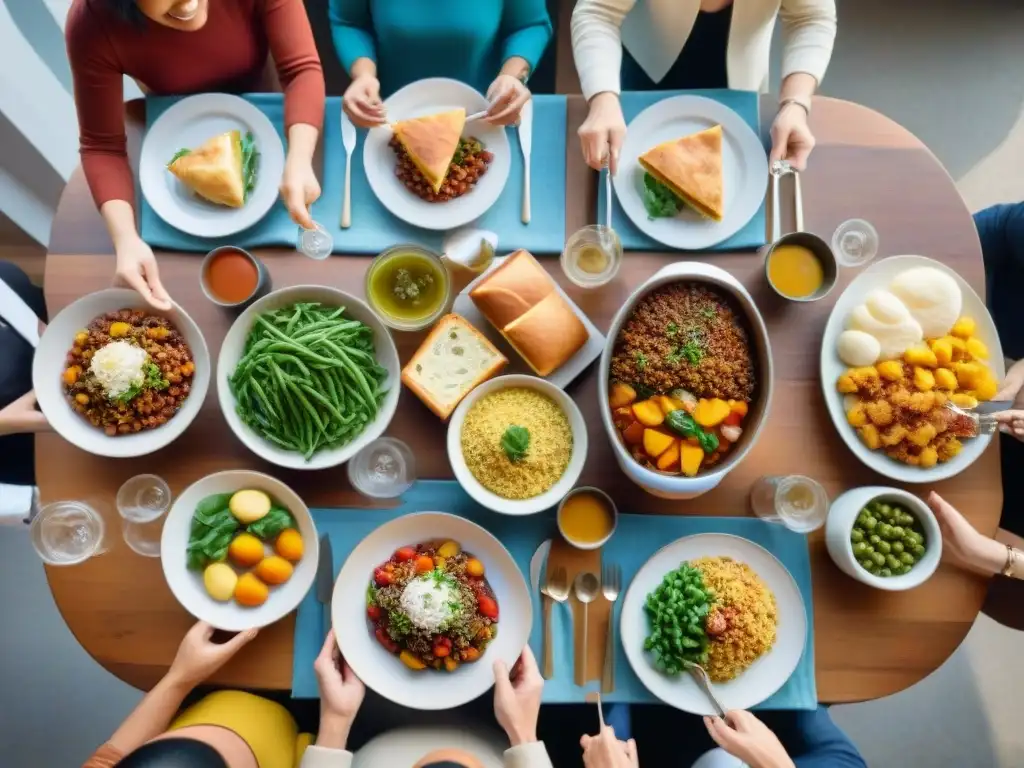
(555, 493)
(51, 358)
(234, 345)
(840, 521)
(611, 506)
(187, 585)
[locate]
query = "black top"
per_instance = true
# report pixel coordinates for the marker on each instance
(17, 462)
(174, 753)
(701, 64)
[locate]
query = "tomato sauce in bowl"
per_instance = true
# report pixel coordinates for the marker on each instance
(232, 277)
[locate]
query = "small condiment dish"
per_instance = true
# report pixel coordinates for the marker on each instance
(822, 252)
(376, 279)
(843, 514)
(602, 498)
(260, 289)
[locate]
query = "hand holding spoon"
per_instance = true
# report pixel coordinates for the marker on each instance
(586, 586)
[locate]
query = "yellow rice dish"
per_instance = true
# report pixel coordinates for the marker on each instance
(516, 442)
(743, 621)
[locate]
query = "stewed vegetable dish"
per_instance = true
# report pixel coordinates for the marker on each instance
(430, 605)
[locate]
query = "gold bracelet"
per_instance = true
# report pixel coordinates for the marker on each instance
(1012, 559)
(799, 102)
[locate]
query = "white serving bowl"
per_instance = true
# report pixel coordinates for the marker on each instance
(187, 585)
(51, 358)
(234, 344)
(663, 484)
(841, 517)
(382, 671)
(554, 494)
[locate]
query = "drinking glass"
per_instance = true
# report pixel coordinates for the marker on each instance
(384, 469)
(855, 243)
(316, 243)
(142, 502)
(68, 532)
(797, 502)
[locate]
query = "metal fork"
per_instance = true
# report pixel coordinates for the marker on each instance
(611, 585)
(984, 423)
(556, 590)
(698, 673)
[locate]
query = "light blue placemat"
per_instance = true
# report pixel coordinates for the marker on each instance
(274, 229)
(374, 228)
(636, 539)
(743, 103)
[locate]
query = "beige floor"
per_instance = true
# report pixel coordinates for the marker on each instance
(949, 70)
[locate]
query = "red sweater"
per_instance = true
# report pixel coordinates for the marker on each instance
(228, 54)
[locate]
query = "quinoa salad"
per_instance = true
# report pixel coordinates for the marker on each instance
(430, 605)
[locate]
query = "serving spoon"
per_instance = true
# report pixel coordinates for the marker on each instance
(586, 587)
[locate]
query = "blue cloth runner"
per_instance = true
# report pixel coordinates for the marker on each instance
(636, 539)
(374, 228)
(743, 103)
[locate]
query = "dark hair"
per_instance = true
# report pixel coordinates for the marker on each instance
(174, 753)
(124, 9)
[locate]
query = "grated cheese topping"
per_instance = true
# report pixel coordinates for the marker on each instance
(118, 366)
(429, 602)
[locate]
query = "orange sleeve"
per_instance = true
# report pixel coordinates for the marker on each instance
(298, 63)
(104, 757)
(99, 99)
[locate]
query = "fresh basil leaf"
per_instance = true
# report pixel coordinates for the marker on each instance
(515, 442)
(272, 523)
(708, 441)
(211, 505)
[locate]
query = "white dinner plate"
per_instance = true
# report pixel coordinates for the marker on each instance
(426, 97)
(762, 678)
(562, 376)
(880, 275)
(382, 671)
(187, 585)
(744, 170)
(187, 125)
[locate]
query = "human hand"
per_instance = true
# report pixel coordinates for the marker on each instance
(341, 695)
(507, 95)
(603, 132)
(137, 269)
(1012, 423)
(199, 657)
(299, 189)
(606, 751)
(23, 416)
(791, 136)
(965, 545)
(517, 698)
(362, 103)
(744, 736)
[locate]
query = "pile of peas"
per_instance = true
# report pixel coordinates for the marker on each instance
(887, 539)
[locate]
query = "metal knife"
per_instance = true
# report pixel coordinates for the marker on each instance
(993, 406)
(348, 139)
(526, 143)
(325, 580)
(538, 563)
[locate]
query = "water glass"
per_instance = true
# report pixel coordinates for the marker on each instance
(384, 469)
(855, 243)
(797, 502)
(316, 243)
(68, 532)
(142, 502)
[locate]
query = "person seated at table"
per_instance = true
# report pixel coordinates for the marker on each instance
(233, 729)
(386, 44)
(743, 740)
(21, 312)
(966, 546)
(685, 44)
(173, 47)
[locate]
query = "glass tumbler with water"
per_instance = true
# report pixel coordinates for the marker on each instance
(141, 502)
(797, 502)
(316, 243)
(384, 469)
(68, 532)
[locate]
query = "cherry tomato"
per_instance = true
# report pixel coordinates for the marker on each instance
(385, 640)
(405, 553)
(734, 419)
(442, 647)
(382, 577)
(488, 607)
(424, 564)
(373, 611)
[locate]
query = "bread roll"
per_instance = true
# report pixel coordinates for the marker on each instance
(548, 334)
(511, 289)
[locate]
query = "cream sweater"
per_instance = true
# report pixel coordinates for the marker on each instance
(655, 31)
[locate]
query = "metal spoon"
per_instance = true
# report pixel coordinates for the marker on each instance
(586, 587)
(698, 673)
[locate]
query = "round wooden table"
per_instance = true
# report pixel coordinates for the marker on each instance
(868, 643)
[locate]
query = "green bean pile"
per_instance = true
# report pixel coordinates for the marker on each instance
(677, 611)
(308, 379)
(887, 539)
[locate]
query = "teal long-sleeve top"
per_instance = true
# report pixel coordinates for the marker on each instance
(466, 40)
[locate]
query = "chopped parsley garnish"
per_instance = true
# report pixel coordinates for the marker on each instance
(708, 312)
(692, 351)
(671, 330)
(515, 442)
(440, 577)
(641, 361)
(371, 595)
(153, 379)
(399, 625)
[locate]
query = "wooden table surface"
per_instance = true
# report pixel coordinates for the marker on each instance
(868, 643)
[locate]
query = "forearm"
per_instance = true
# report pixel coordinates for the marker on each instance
(597, 44)
(152, 716)
(119, 217)
(302, 139)
(363, 66)
(334, 731)
(516, 66)
(16, 423)
(800, 86)
(809, 33)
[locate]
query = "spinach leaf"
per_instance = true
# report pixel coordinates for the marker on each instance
(180, 153)
(682, 423)
(250, 163)
(515, 442)
(213, 528)
(272, 523)
(659, 201)
(211, 505)
(708, 441)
